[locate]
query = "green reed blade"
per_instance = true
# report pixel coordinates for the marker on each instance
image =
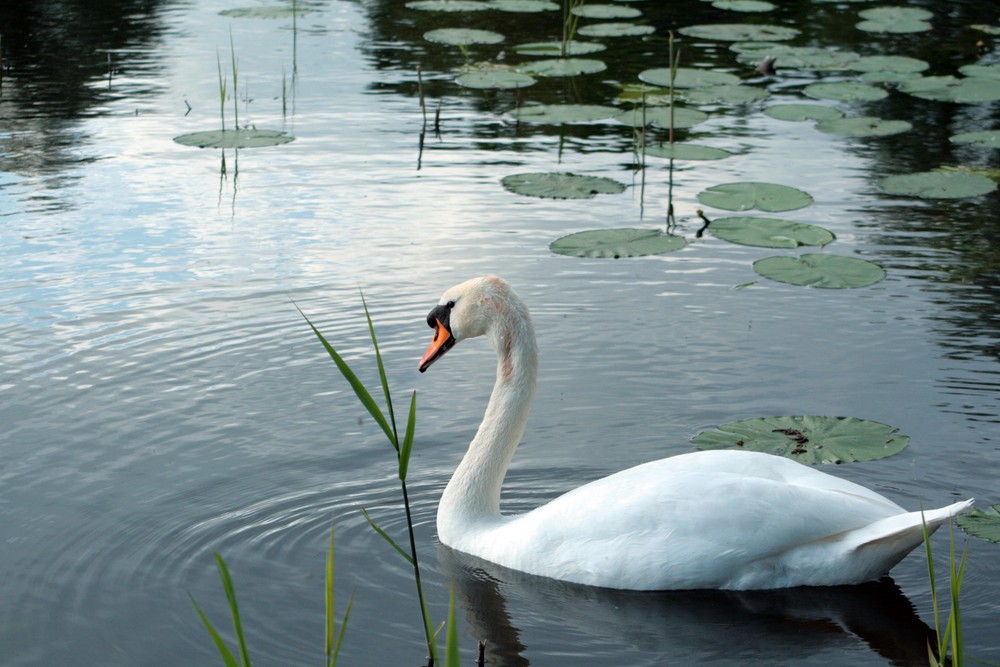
(227, 585)
(385, 536)
(328, 597)
(451, 656)
(411, 425)
(394, 438)
(343, 627)
(227, 655)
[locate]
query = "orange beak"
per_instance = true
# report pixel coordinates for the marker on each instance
(442, 342)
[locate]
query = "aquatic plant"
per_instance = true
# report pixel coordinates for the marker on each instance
(950, 649)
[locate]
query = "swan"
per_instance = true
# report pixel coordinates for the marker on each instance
(714, 519)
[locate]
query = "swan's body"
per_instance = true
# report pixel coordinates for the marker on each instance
(711, 519)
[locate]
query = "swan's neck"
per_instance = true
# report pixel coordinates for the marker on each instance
(472, 498)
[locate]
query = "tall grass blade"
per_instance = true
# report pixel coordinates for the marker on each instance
(227, 585)
(227, 655)
(331, 622)
(236, 86)
(222, 91)
(356, 384)
(407, 447)
(386, 537)
(394, 438)
(451, 657)
(340, 635)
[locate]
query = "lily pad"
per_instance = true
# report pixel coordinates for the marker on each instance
(448, 5)
(523, 6)
(991, 71)
(562, 66)
(796, 57)
(687, 77)
(845, 91)
(739, 32)
(749, 195)
(749, 6)
(897, 20)
(988, 138)
(277, 12)
(683, 151)
(729, 94)
(247, 138)
(984, 524)
(801, 112)
(938, 185)
(573, 48)
(563, 113)
(889, 63)
(494, 77)
(463, 36)
(953, 89)
(985, 27)
(616, 29)
(617, 243)
(864, 126)
(606, 12)
(769, 232)
(552, 185)
(808, 439)
(815, 270)
(661, 117)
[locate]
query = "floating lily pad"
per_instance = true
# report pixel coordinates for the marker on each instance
(938, 185)
(278, 12)
(897, 20)
(815, 270)
(889, 63)
(683, 151)
(552, 185)
(661, 117)
(808, 439)
(573, 48)
(750, 195)
(606, 12)
(617, 243)
(732, 94)
(845, 91)
(448, 5)
(991, 71)
(749, 6)
(500, 77)
(953, 89)
(801, 112)
(740, 32)
(563, 113)
(524, 6)
(687, 77)
(988, 138)
(462, 36)
(988, 29)
(864, 126)
(796, 57)
(246, 138)
(562, 67)
(984, 524)
(616, 30)
(769, 232)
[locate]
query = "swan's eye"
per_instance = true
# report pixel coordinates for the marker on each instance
(449, 305)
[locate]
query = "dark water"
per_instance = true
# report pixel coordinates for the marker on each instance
(161, 399)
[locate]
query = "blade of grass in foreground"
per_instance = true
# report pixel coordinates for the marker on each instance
(227, 655)
(333, 643)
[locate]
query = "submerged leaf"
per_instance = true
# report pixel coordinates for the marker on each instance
(938, 185)
(749, 195)
(524, 6)
(552, 185)
(825, 271)
(865, 126)
(563, 113)
(448, 5)
(617, 243)
(616, 29)
(808, 439)
(571, 48)
(606, 11)
(462, 36)
(845, 91)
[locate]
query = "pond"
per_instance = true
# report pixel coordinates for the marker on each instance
(162, 399)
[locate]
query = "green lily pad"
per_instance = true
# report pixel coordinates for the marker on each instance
(808, 439)
(769, 232)
(494, 77)
(938, 185)
(984, 524)
(606, 12)
(988, 29)
(463, 36)
(278, 12)
(991, 71)
(896, 20)
(864, 126)
(749, 6)
(247, 138)
(889, 63)
(616, 29)
(661, 117)
(448, 5)
(687, 77)
(734, 94)
(953, 89)
(845, 91)
(617, 243)
(563, 113)
(739, 32)
(551, 185)
(562, 67)
(796, 57)
(523, 6)
(815, 270)
(749, 195)
(573, 48)
(801, 112)
(988, 138)
(683, 151)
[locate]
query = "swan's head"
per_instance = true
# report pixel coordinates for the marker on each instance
(468, 310)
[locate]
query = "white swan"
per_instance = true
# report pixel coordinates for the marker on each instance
(709, 519)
